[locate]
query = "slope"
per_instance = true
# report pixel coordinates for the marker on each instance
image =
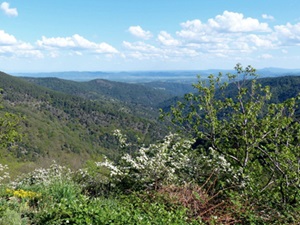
(68, 128)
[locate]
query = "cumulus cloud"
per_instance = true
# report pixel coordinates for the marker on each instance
(7, 10)
(266, 41)
(137, 31)
(227, 35)
(76, 43)
(7, 39)
(236, 22)
(141, 46)
(167, 40)
(288, 34)
(267, 17)
(20, 50)
(142, 50)
(11, 47)
(228, 22)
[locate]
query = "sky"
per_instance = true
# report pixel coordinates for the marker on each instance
(138, 35)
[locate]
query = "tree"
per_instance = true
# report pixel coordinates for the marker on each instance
(260, 139)
(9, 126)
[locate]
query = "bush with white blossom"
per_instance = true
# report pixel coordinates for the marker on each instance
(171, 161)
(4, 175)
(152, 166)
(44, 176)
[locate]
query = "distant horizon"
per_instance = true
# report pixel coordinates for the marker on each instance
(136, 71)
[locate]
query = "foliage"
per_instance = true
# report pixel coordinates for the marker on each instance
(11, 217)
(159, 164)
(9, 127)
(100, 89)
(257, 138)
(49, 196)
(68, 127)
(237, 162)
(127, 210)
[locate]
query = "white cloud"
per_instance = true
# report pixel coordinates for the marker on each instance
(7, 39)
(229, 33)
(265, 56)
(20, 50)
(267, 17)
(262, 41)
(8, 11)
(288, 34)
(236, 22)
(167, 40)
(141, 50)
(76, 43)
(228, 23)
(227, 36)
(11, 47)
(137, 31)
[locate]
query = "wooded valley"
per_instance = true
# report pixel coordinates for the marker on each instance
(151, 153)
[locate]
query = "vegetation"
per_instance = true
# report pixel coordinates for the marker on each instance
(234, 160)
(137, 98)
(67, 128)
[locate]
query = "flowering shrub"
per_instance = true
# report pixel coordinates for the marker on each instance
(153, 166)
(214, 168)
(44, 176)
(172, 161)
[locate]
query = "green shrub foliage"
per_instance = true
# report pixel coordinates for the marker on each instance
(258, 138)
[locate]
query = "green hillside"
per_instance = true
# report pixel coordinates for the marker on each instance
(141, 100)
(72, 122)
(282, 88)
(69, 128)
(99, 88)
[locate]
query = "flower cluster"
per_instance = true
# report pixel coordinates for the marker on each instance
(203, 165)
(172, 161)
(121, 138)
(22, 193)
(44, 176)
(153, 166)
(3, 174)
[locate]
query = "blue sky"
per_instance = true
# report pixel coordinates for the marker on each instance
(133, 35)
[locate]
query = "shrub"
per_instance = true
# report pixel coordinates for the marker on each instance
(153, 166)
(260, 140)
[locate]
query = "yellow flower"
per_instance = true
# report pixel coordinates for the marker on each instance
(23, 194)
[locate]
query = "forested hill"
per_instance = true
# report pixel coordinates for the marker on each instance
(105, 89)
(73, 121)
(66, 127)
(282, 88)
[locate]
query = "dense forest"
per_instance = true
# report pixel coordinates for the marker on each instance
(106, 152)
(74, 125)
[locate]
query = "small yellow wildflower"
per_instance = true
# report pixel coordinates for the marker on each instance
(23, 194)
